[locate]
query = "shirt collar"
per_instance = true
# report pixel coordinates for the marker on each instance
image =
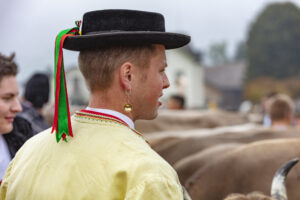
(123, 117)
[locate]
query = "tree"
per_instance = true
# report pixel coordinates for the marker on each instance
(255, 89)
(240, 51)
(274, 42)
(217, 53)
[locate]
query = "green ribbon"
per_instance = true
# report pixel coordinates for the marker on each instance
(62, 122)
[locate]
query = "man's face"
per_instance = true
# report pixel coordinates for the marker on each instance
(149, 85)
(9, 103)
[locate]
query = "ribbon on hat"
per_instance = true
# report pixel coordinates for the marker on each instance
(62, 122)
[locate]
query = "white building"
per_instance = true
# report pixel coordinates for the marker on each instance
(186, 77)
(77, 90)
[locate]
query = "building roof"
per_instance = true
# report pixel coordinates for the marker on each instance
(226, 76)
(194, 54)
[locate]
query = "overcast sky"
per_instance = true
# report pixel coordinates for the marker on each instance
(29, 27)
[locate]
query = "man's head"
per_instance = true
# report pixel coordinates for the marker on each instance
(122, 58)
(9, 91)
(98, 66)
(138, 70)
(176, 102)
(281, 109)
(37, 90)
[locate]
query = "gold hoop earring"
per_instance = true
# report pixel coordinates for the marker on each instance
(128, 106)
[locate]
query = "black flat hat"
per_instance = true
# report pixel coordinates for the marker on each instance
(123, 27)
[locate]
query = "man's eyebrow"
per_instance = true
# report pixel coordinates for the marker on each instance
(9, 94)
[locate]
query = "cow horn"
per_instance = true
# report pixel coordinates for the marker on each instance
(278, 190)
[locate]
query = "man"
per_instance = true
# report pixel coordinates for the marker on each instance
(175, 102)
(281, 112)
(36, 95)
(14, 131)
(122, 58)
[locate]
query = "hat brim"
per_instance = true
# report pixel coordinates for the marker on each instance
(104, 39)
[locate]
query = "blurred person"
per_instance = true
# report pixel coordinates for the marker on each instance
(245, 107)
(14, 131)
(212, 105)
(36, 95)
(101, 156)
(281, 112)
(176, 102)
(265, 103)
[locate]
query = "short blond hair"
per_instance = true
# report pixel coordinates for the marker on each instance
(98, 66)
(281, 106)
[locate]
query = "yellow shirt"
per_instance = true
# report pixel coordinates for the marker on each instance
(104, 160)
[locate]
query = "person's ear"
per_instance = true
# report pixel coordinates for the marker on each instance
(125, 74)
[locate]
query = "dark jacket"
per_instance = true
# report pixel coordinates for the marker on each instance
(21, 132)
(37, 121)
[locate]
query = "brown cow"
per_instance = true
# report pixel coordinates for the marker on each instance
(246, 169)
(187, 166)
(178, 149)
(163, 140)
(251, 196)
(189, 119)
(278, 189)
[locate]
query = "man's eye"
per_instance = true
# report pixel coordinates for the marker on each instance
(6, 98)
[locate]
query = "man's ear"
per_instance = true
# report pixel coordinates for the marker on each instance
(125, 74)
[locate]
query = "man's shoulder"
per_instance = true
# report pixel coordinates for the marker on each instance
(38, 140)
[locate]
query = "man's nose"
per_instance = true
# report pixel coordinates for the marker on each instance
(166, 82)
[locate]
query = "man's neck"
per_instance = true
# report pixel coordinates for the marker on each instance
(109, 100)
(114, 113)
(280, 124)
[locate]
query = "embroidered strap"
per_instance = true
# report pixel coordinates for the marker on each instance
(107, 117)
(62, 122)
(104, 115)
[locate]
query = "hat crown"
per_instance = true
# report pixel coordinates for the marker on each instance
(106, 28)
(122, 20)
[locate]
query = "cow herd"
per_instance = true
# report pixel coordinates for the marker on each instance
(224, 154)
